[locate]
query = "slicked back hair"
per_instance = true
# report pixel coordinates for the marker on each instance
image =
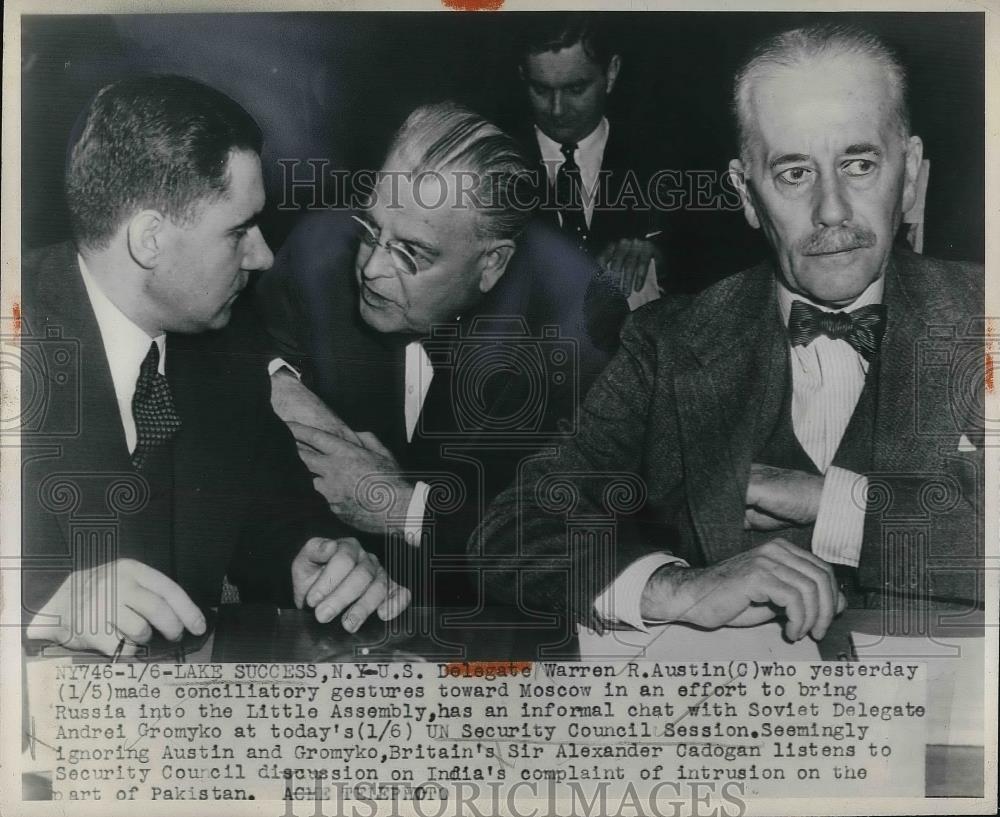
(154, 142)
(800, 46)
(450, 139)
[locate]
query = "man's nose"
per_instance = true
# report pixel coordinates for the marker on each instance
(831, 208)
(259, 255)
(557, 103)
(379, 263)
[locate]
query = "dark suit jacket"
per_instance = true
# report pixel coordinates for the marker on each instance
(629, 166)
(242, 503)
(669, 432)
(309, 303)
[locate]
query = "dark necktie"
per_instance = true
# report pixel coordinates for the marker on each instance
(156, 419)
(862, 328)
(568, 187)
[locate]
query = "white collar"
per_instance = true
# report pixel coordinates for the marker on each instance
(592, 144)
(125, 344)
(871, 295)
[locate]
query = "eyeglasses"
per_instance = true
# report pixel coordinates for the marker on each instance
(402, 258)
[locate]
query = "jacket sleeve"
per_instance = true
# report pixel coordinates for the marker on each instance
(566, 527)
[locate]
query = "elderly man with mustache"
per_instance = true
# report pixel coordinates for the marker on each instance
(789, 445)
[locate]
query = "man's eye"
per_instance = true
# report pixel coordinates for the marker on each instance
(859, 167)
(794, 175)
(369, 234)
(417, 254)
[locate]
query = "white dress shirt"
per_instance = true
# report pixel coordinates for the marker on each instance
(419, 374)
(589, 156)
(828, 377)
(125, 347)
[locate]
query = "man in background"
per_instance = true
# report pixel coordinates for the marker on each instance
(594, 172)
(795, 453)
(165, 431)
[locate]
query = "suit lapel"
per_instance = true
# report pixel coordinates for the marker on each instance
(207, 452)
(64, 311)
(897, 447)
(728, 402)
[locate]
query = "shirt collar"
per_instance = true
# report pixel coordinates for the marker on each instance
(592, 144)
(125, 344)
(871, 295)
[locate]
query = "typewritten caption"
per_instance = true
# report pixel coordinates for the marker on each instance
(416, 730)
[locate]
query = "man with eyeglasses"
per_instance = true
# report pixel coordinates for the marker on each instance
(440, 334)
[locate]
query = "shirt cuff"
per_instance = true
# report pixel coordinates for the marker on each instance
(414, 525)
(621, 601)
(278, 364)
(840, 522)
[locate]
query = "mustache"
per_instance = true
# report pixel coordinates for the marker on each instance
(823, 242)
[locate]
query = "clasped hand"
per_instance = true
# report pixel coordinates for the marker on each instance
(96, 608)
(340, 459)
(751, 587)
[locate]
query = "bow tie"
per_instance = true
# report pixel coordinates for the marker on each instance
(862, 328)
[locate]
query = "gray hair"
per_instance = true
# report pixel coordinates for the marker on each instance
(447, 137)
(799, 46)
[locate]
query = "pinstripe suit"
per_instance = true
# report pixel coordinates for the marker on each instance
(679, 415)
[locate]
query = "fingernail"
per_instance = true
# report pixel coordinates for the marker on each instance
(350, 624)
(199, 626)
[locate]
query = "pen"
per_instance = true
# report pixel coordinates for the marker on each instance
(118, 650)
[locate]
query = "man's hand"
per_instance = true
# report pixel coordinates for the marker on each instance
(293, 402)
(781, 498)
(79, 616)
(333, 575)
(339, 464)
(628, 260)
(748, 589)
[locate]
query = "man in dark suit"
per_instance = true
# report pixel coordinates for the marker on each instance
(158, 468)
(781, 442)
(440, 341)
(594, 175)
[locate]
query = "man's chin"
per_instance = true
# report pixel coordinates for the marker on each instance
(377, 319)
(835, 278)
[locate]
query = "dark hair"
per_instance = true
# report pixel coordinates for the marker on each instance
(554, 31)
(161, 142)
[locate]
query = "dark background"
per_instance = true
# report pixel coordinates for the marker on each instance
(334, 86)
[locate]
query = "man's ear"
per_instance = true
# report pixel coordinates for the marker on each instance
(614, 66)
(914, 156)
(146, 235)
(494, 263)
(737, 175)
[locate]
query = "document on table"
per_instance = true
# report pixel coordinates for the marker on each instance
(956, 671)
(681, 642)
